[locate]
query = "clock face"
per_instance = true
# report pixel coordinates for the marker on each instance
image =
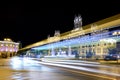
(79, 19)
(76, 20)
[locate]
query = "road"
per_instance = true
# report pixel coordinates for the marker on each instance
(28, 69)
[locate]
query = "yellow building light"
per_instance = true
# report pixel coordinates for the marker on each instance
(7, 39)
(119, 32)
(115, 33)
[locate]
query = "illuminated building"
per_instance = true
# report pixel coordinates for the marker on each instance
(91, 41)
(8, 48)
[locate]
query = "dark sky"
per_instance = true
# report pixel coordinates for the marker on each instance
(30, 23)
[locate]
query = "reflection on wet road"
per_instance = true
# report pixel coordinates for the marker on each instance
(27, 69)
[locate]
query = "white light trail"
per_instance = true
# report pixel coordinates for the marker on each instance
(81, 68)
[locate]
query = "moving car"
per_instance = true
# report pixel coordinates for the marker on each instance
(112, 57)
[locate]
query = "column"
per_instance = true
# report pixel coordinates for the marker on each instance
(59, 52)
(69, 51)
(53, 52)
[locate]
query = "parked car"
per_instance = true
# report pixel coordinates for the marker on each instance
(112, 57)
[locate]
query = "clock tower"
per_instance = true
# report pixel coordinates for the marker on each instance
(78, 22)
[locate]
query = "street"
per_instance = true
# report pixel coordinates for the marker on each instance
(17, 68)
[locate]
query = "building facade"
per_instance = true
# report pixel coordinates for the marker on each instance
(94, 40)
(8, 48)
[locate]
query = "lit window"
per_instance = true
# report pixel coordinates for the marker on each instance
(1, 44)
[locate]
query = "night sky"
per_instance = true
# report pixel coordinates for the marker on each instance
(30, 23)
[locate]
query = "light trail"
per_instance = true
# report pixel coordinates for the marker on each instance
(84, 69)
(79, 64)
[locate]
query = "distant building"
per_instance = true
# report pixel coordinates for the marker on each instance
(8, 48)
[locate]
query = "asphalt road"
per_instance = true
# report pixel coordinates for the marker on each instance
(28, 69)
